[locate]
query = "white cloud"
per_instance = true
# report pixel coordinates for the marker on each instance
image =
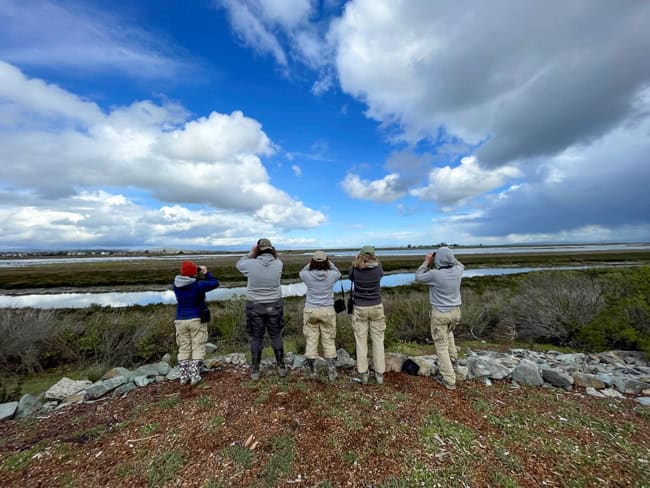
(75, 36)
(386, 189)
(60, 146)
(297, 170)
(449, 186)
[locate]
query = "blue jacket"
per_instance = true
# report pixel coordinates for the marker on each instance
(190, 295)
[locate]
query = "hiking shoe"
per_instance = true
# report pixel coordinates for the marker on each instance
(255, 375)
(379, 378)
(331, 370)
(184, 380)
(446, 384)
(195, 380)
(282, 371)
(364, 378)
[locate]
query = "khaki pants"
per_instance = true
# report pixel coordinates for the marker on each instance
(370, 319)
(442, 332)
(319, 322)
(191, 336)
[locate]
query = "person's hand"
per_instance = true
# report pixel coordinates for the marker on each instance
(203, 270)
(428, 258)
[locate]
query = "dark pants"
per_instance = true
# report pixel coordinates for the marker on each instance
(261, 317)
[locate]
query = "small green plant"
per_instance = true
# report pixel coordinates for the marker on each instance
(204, 401)
(350, 457)
(170, 402)
(150, 429)
(215, 422)
(281, 460)
(163, 468)
(242, 456)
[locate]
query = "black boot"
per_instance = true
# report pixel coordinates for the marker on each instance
(279, 359)
(311, 368)
(256, 358)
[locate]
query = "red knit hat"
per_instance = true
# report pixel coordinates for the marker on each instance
(188, 268)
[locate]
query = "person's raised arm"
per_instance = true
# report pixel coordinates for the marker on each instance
(424, 274)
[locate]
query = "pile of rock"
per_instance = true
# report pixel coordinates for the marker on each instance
(610, 374)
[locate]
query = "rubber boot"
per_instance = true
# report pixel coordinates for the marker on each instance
(311, 368)
(183, 371)
(279, 359)
(256, 358)
(195, 371)
(331, 369)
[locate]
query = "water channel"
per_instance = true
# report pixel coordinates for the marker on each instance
(127, 299)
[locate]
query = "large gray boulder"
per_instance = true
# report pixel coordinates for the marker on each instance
(7, 410)
(527, 373)
(487, 367)
(141, 381)
(210, 348)
(427, 365)
(236, 358)
(124, 389)
(299, 361)
(28, 405)
(645, 401)
(630, 386)
(65, 387)
(343, 359)
(557, 378)
(394, 361)
(100, 388)
(113, 372)
(156, 369)
(570, 359)
(585, 380)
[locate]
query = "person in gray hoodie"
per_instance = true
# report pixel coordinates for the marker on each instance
(319, 317)
(444, 295)
(264, 309)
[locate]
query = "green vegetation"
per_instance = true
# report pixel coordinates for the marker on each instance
(163, 468)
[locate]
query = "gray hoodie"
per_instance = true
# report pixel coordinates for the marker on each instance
(319, 286)
(263, 273)
(443, 281)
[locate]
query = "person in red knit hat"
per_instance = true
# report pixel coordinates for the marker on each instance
(190, 288)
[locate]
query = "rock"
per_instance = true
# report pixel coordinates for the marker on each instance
(646, 392)
(210, 348)
(645, 401)
(605, 378)
(611, 393)
(320, 364)
(427, 366)
(50, 406)
(610, 357)
(588, 381)
(173, 374)
(570, 358)
(593, 392)
(487, 367)
(7, 410)
(64, 388)
(288, 358)
(527, 373)
(207, 363)
(167, 358)
(71, 400)
(557, 378)
(343, 359)
(141, 381)
(119, 371)
(394, 361)
(630, 386)
(487, 381)
(236, 358)
(160, 379)
(100, 388)
(124, 389)
(28, 405)
(155, 369)
(299, 361)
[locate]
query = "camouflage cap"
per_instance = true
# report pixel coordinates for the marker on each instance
(264, 244)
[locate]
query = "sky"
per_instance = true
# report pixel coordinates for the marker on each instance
(207, 124)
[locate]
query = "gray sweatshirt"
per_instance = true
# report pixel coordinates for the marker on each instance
(319, 286)
(263, 273)
(443, 281)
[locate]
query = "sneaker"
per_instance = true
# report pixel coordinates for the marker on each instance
(255, 375)
(282, 371)
(195, 380)
(446, 384)
(364, 378)
(184, 380)
(379, 378)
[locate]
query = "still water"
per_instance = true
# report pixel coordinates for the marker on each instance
(127, 299)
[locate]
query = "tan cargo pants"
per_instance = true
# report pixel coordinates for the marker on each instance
(319, 323)
(191, 336)
(442, 332)
(371, 319)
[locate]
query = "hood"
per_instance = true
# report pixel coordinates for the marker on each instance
(319, 274)
(181, 281)
(266, 259)
(444, 258)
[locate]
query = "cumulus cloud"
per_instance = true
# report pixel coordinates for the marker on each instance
(57, 146)
(297, 170)
(450, 186)
(526, 79)
(387, 189)
(74, 36)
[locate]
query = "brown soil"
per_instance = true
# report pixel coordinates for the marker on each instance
(229, 432)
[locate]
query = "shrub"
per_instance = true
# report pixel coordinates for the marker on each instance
(25, 336)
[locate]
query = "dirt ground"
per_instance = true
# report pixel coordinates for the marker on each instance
(231, 432)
